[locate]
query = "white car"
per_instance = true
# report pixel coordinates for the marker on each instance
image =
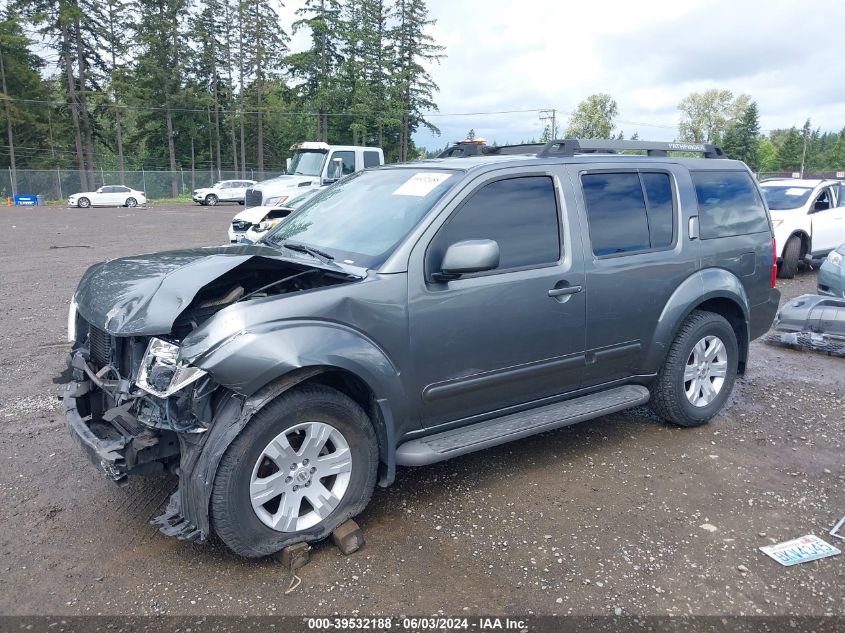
(808, 217)
(108, 196)
(251, 224)
(223, 191)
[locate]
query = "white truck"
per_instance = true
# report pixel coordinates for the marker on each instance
(312, 165)
(808, 217)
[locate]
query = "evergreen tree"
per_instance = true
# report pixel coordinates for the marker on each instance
(789, 151)
(742, 139)
(412, 86)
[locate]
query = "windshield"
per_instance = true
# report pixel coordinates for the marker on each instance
(782, 198)
(307, 162)
(362, 218)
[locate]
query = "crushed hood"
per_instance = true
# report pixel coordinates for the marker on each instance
(144, 294)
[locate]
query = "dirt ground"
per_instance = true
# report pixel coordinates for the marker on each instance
(600, 518)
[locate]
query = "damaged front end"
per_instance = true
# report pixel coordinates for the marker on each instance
(134, 404)
(811, 322)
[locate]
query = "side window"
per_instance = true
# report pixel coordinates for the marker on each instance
(629, 212)
(520, 214)
(348, 162)
(108, 189)
(822, 203)
(371, 159)
(728, 204)
(121, 189)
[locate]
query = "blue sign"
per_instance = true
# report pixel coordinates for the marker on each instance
(26, 201)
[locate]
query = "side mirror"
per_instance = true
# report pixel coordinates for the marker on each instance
(468, 256)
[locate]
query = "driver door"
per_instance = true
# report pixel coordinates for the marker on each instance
(498, 339)
(828, 223)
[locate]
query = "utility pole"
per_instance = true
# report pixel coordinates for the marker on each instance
(804, 150)
(550, 115)
(13, 172)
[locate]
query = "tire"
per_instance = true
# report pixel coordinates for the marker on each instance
(789, 262)
(670, 399)
(83, 203)
(131, 202)
(211, 200)
(233, 516)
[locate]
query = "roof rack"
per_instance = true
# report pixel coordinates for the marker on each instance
(518, 148)
(570, 147)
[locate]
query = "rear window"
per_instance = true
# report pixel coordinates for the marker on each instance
(728, 204)
(629, 212)
(371, 159)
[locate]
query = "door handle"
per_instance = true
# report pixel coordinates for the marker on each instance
(566, 290)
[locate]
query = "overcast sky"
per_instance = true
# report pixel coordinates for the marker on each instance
(530, 54)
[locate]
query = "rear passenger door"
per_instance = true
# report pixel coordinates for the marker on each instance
(635, 256)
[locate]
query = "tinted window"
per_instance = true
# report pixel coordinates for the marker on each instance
(121, 189)
(616, 213)
(728, 204)
(371, 159)
(520, 214)
(348, 162)
(659, 208)
(107, 189)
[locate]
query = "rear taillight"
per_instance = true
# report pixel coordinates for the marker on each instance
(774, 262)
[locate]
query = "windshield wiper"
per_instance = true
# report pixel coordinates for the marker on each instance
(310, 250)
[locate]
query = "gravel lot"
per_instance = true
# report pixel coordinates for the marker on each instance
(600, 518)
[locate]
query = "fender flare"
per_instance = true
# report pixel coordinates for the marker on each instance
(700, 287)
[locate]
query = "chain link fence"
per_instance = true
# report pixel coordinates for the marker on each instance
(58, 184)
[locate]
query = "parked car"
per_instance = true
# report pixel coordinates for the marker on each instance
(808, 217)
(251, 224)
(412, 314)
(831, 279)
(223, 191)
(108, 196)
(313, 165)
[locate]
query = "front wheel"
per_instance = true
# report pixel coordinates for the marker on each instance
(84, 203)
(699, 372)
(791, 253)
(304, 464)
(211, 200)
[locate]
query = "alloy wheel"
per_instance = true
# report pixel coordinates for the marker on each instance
(300, 477)
(705, 371)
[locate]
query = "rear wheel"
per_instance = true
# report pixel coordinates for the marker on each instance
(304, 464)
(84, 203)
(211, 200)
(131, 202)
(699, 372)
(789, 262)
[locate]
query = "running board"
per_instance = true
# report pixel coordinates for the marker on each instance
(474, 437)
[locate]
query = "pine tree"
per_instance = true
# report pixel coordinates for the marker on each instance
(789, 151)
(742, 139)
(317, 66)
(412, 86)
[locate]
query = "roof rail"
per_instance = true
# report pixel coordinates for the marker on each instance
(518, 148)
(571, 146)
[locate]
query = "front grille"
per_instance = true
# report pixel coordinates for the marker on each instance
(100, 345)
(252, 198)
(241, 225)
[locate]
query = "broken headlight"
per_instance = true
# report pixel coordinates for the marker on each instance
(161, 373)
(835, 258)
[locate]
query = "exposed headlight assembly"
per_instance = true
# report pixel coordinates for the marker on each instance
(161, 373)
(835, 258)
(275, 200)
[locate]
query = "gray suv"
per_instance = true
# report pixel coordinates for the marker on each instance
(414, 313)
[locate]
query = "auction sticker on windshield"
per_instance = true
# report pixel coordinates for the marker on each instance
(800, 550)
(421, 184)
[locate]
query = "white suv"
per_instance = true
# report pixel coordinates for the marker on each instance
(223, 191)
(808, 217)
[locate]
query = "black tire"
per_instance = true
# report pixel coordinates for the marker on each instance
(789, 262)
(232, 515)
(211, 200)
(83, 203)
(669, 399)
(131, 202)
